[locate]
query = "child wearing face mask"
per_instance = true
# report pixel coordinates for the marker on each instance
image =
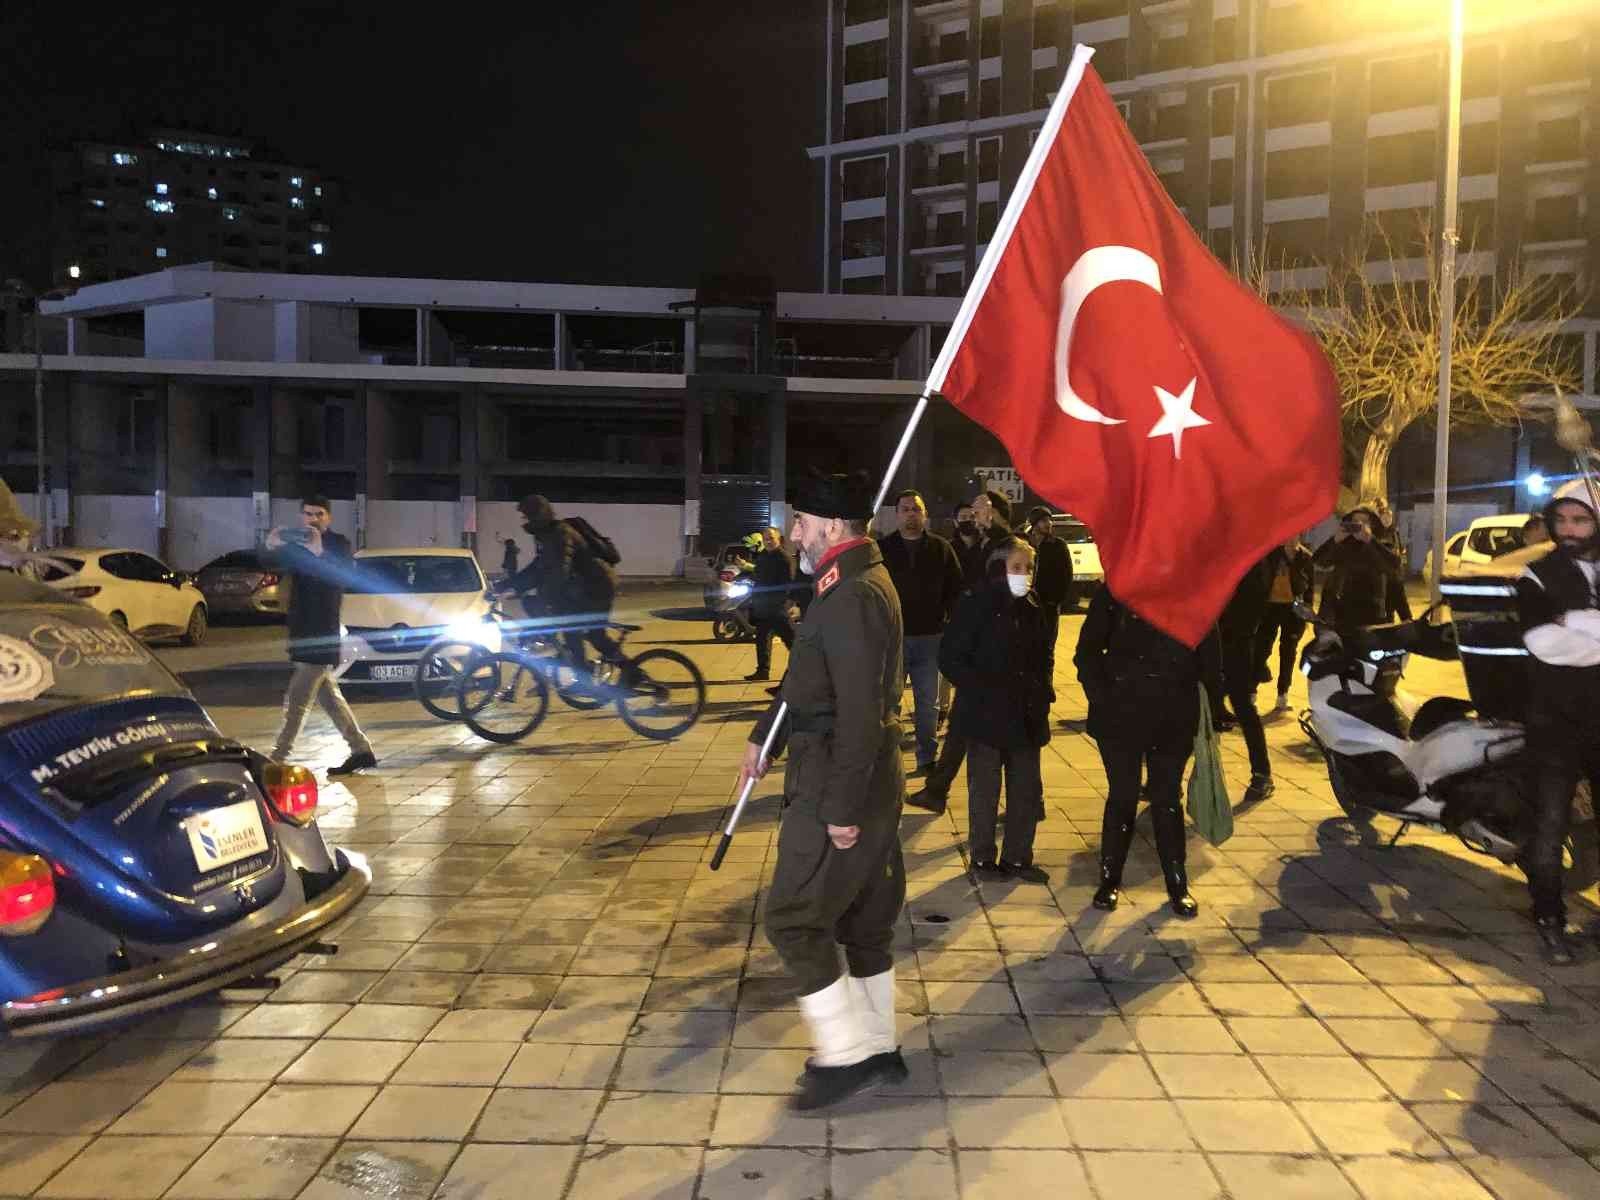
(999, 653)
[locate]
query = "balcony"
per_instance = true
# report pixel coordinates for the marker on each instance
(949, 109)
(945, 238)
(947, 53)
(950, 172)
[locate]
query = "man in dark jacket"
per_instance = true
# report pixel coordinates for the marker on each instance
(772, 578)
(1237, 629)
(1000, 653)
(1560, 618)
(1386, 534)
(320, 562)
(1052, 572)
(840, 877)
(991, 512)
(573, 583)
(1357, 591)
(927, 577)
(1290, 579)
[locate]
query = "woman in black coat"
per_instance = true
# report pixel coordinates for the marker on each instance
(999, 651)
(1144, 712)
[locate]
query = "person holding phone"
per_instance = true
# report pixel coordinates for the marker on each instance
(320, 562)
(1357, 591)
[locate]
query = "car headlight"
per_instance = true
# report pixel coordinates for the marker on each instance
(738, 589)
(476, 633)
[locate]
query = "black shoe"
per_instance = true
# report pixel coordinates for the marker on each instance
(821, 1087)
(929, 800)
(1025, 872)
(1261, 786)
(1554, 945)
(987, 869)
(1106, 897)
(1183, 905)
(894, 1067)
(758, 677)
(356, 762)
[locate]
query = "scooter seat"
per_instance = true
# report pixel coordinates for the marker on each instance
(1437, 713)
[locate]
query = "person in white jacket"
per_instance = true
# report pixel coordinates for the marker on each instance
(1560, 617)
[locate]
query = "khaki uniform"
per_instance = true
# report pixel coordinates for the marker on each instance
(843, 689)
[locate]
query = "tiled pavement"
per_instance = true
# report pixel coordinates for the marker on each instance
(549, 994)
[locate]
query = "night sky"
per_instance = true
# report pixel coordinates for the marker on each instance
(599, 141)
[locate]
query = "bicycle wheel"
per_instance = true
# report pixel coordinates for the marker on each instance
(439, 675)
(666, 696)
(503, 697)
(574, 686)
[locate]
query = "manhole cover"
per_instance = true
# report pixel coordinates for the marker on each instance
(937, 919)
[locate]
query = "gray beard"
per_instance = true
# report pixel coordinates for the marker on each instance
(808, 565)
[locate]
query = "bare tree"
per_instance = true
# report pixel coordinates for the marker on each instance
(1378, 321)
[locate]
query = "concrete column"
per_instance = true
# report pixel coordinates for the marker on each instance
(261, 430)
(468, 402)
(291, 331)
(421, 356)
(693, 433)
(563, 342)
(690, 348)
(778, 454)
(160, 392)
(358, 422)
(285, 447)
(77, 327)
(378, 439)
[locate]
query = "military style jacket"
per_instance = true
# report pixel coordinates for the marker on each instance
(843, 689)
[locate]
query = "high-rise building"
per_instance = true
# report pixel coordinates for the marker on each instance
(1293, 129)
(129, 208)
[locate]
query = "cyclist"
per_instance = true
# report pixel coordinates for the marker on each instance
(574, 584)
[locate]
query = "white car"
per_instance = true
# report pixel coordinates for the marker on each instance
(1087, 573)
(400, 600)
(136, 590)
(1480, 549)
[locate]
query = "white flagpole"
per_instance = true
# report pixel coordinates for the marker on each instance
(941, 367)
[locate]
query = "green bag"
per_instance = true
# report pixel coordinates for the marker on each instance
(1209, 806)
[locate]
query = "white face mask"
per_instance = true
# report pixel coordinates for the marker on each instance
(1019, 584)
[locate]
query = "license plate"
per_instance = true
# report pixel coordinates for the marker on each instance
(396, 672)
(225, 835)
(230, 586)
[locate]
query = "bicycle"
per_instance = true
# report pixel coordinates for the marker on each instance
(658, 694)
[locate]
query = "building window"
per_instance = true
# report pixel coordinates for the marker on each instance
(1302, 172)
(858, 12)
(865, 178)
(1225, 48)
(123, 159)
(1561, 61)
(1401, 158)
(1221, 190)
(1298, 99)
(988, 160)
(1556, 219)
(161, 189)
(989, 97)
(159, 206)
(296, 181)
(864, 285)
(161, 251)
(317, 191)
(230, 213)
(1111, 60)
(1296, 26)
(318, 247)
(1045, 81)
(866, 118)
(1099, 10)
(865, 61)
(1398, 233)
(1170, 48)
(1480, 149)
(949, 283)
(990, 34)
(988, 219)
(1046, 26)
(1172, 121)
(97, 203)
(74, 271)
(1559, 141)
(864, 238)
(1480, 71)
(952, 106)
(1405, 83)
(1221, 243)
(297, 202)
(1291, 244)
(1224, 103)
(211, 193)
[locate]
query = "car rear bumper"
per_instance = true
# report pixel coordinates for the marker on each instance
(113, 998)
(244, 604)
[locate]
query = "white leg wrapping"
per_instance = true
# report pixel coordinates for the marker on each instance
(838, 1034)
(874, 996)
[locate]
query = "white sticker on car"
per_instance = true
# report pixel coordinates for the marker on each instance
(24, 672)
(225, 835)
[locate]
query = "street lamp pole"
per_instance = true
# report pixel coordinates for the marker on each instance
(38, 423)
(1448, 241)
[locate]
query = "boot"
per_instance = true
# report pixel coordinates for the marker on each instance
(842, 1064)
(874, 1000)
(1179, 899)
(1261, 786)
(1167, 820)
(1554, 945)
(1115, 838)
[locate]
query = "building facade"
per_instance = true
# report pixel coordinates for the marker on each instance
(1289, 129)
(130, 208)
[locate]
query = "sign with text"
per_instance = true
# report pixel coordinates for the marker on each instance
(1004, 480)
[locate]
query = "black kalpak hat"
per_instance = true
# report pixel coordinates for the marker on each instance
(848, 497)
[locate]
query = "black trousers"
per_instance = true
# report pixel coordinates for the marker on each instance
(1239, 682)
(951, 755)
(1024, 800)
(1126, 766)
(766, 629)
(823, 898)
(1557, 764)
(1280, 625)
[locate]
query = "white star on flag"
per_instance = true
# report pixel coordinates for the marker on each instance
(1177, 414)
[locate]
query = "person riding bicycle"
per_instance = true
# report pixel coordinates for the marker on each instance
(575, 586)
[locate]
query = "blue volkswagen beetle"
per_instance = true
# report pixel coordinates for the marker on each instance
(145, 857)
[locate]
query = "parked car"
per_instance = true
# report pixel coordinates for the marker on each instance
(244, 583)
(1481, 549)
(146, 857)
(398, 601)
(1087, 573)
(139, 592)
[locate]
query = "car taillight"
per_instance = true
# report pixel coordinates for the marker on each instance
(82, 593)
(27, 893)
(267, 581)
(727, 576)
(293, 792)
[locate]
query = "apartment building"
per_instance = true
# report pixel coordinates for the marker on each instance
(1293, 129)
(175, 197)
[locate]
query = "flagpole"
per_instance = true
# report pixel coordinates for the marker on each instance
(947, 353)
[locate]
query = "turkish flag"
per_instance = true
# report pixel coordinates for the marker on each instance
(1135, 381)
